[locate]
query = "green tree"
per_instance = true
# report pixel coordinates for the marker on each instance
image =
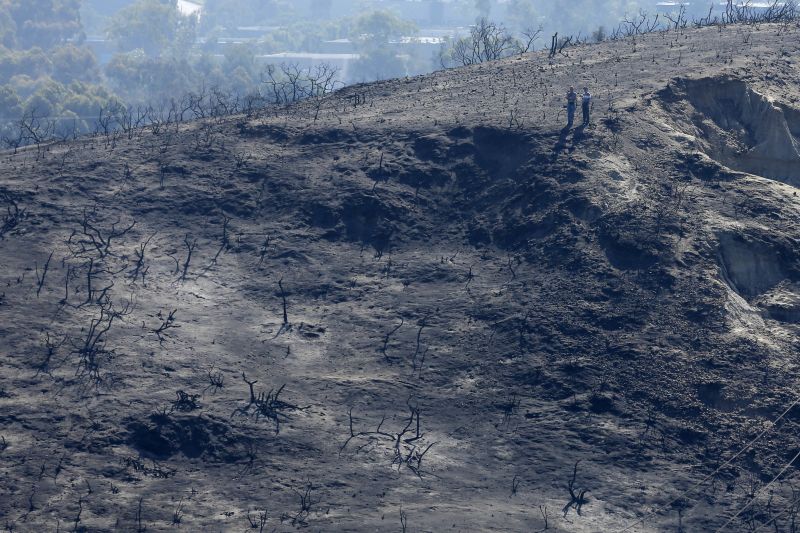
(42, 103)
(153, 26)
(373, 34)
(43, 23)
(72, 62)
(83, 101)
(241, 81)
(10, 103)
(184, 37)
(33, 62)
(232, 13)
(126, 71)
(24, 85)
(208, 67)
(307, 35)
(141, 79)
(378, 28)
(240, 56)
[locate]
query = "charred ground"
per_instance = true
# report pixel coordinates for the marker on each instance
(421, 309)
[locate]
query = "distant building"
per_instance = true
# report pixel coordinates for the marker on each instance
(429, 41)
(189, 8)
(338, 46)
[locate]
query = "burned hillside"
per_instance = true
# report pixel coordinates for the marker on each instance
(419, 304)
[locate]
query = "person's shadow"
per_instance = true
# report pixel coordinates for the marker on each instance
(578, 136)
(561, 143)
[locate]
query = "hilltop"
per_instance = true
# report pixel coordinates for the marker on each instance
(418, 304)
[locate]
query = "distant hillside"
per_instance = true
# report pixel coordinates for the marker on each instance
(419, 305)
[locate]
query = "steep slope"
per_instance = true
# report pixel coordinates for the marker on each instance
(428, 308)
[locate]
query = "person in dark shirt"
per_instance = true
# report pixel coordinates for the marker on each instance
(572, 100)
(586, 102)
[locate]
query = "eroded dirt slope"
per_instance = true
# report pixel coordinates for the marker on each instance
(424, 307)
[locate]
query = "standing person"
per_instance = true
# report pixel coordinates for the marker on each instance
(572, 99)
(586, 101)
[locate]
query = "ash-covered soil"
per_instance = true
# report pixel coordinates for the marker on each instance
(483, 312)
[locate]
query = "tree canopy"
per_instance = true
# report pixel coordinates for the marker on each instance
(372, 32)
(153, 26)
(43, 23)
(232, 13)
(379, 27)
